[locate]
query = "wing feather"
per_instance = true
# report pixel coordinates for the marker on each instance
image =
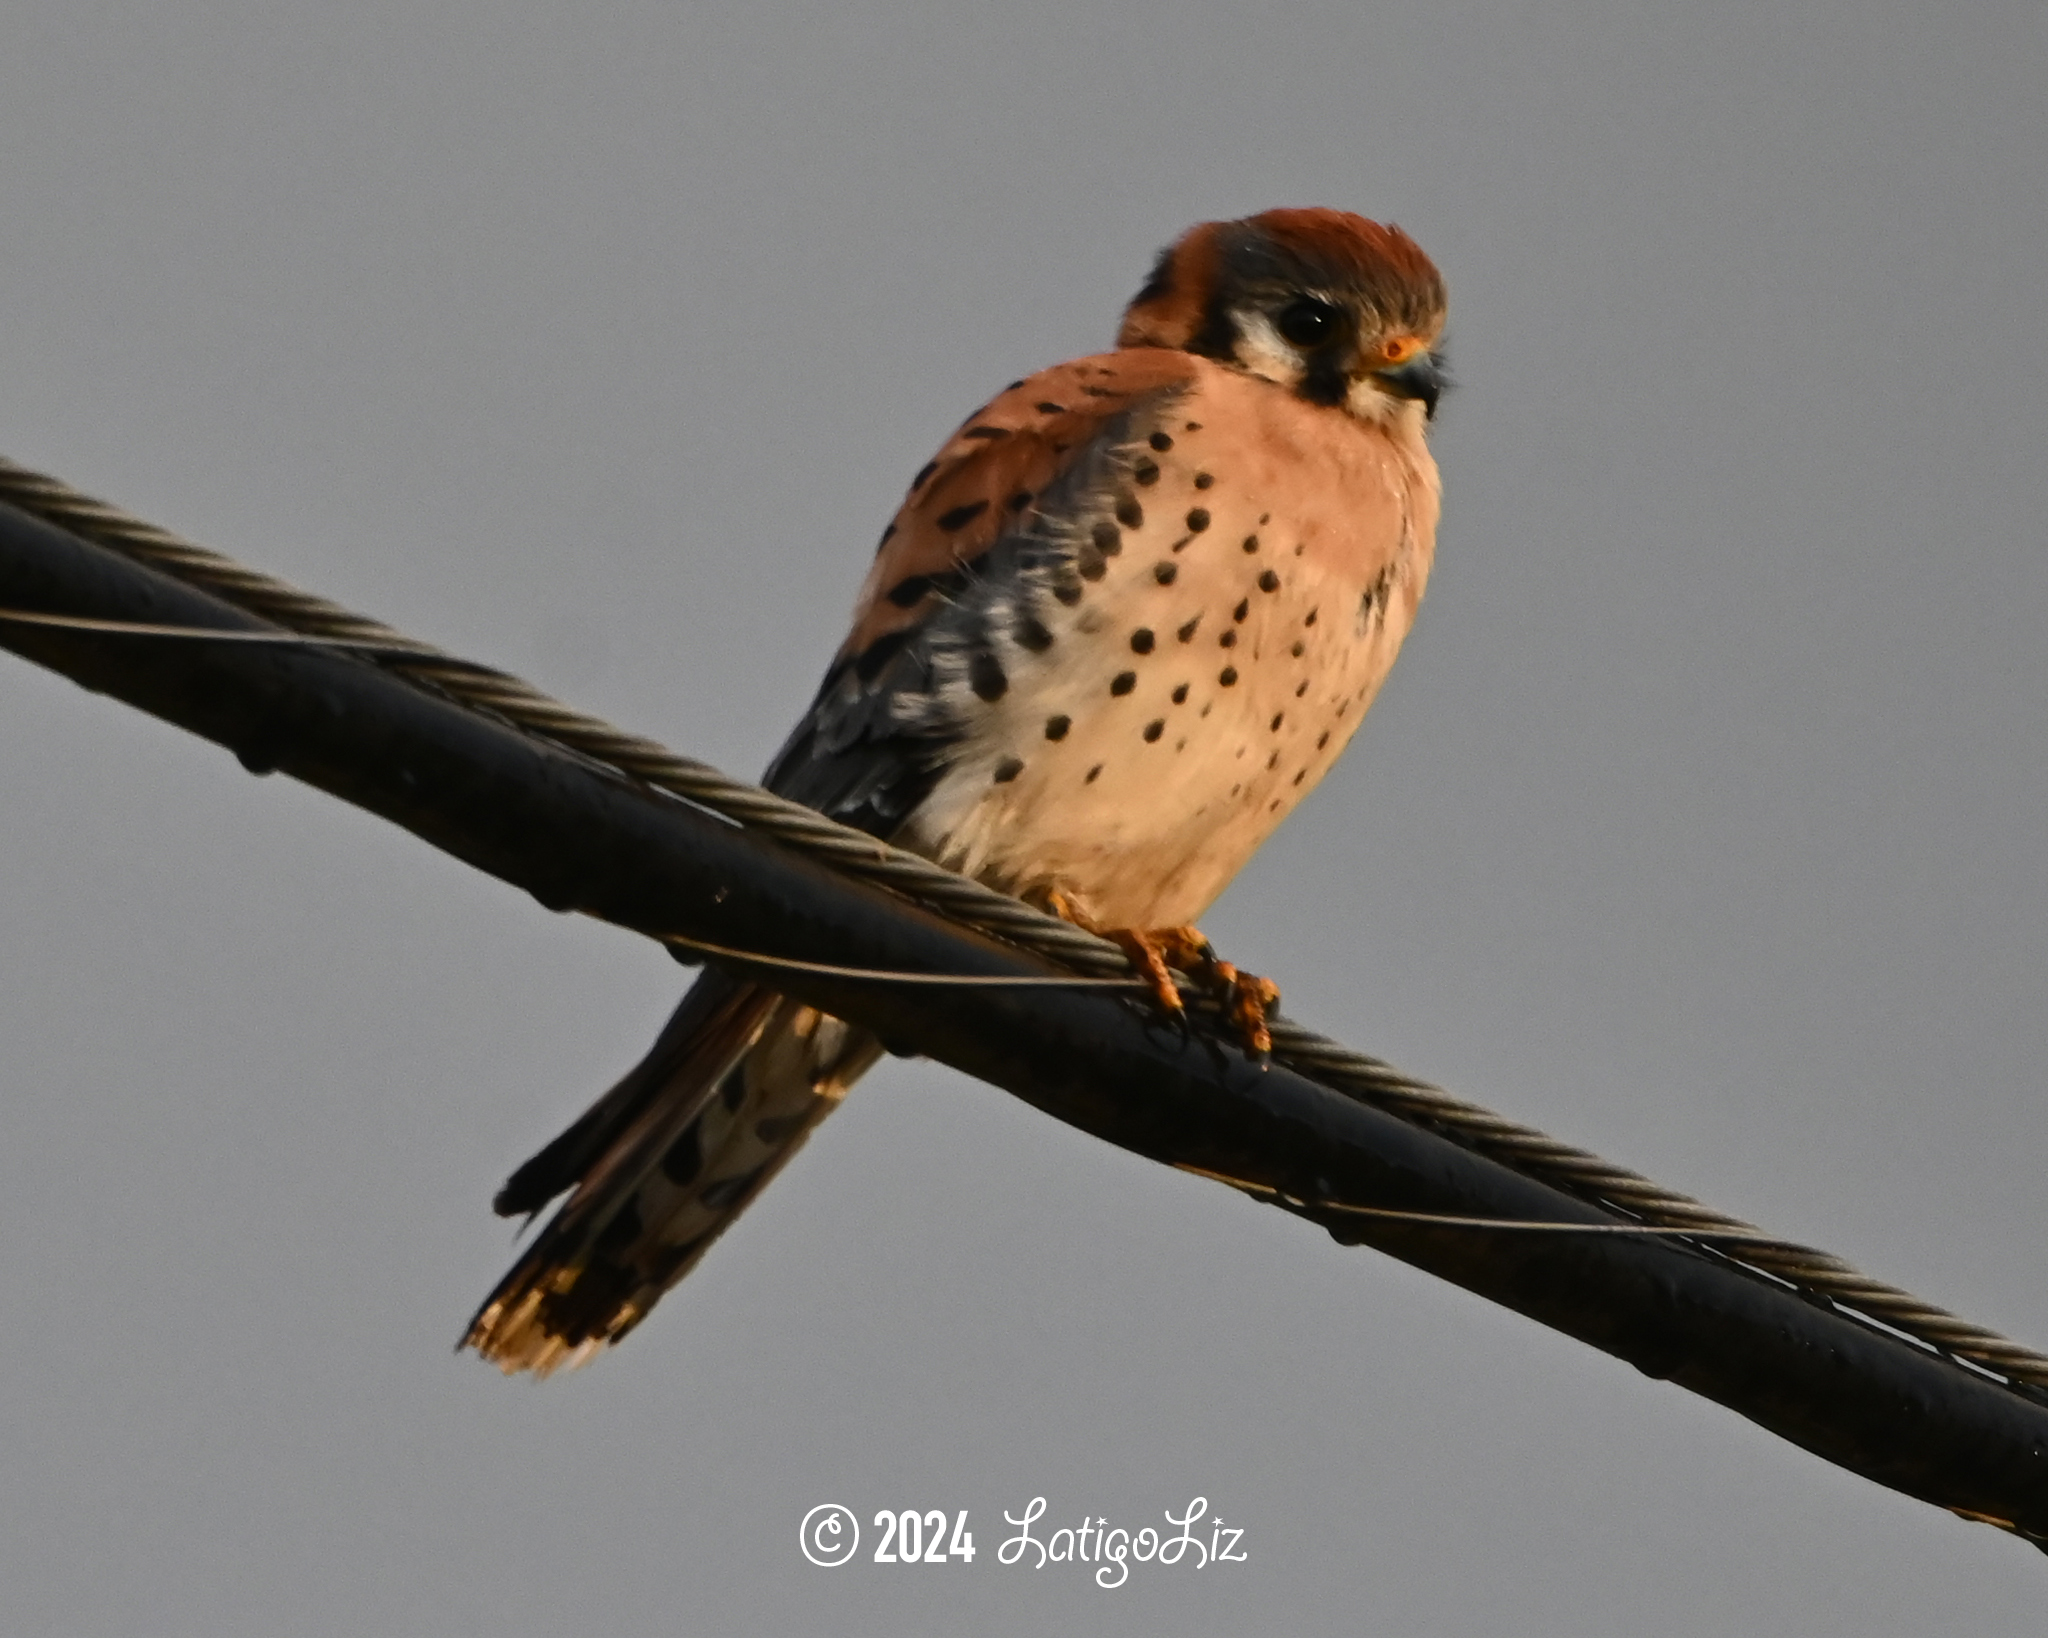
(995, 527)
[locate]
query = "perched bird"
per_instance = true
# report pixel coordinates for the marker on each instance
(1124, 620)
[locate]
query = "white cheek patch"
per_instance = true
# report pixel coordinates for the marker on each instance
(1370, 402)
(1261, 351)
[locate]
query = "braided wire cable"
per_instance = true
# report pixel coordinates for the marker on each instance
(1635, 1198)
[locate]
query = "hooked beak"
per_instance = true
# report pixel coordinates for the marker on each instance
(1420, 378)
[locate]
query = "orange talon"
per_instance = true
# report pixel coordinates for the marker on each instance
(1150, 957)
(1246, 998)
(1251, 999)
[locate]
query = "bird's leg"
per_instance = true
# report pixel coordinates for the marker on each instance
(1246, 998)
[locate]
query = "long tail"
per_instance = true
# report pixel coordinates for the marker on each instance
(660, 1165)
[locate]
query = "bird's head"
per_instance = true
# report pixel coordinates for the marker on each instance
(1341, 310)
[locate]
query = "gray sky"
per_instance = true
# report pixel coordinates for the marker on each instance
(1701, 822)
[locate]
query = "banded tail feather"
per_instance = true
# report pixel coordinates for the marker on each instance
(660, 1166)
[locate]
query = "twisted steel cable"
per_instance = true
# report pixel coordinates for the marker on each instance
(518, 704)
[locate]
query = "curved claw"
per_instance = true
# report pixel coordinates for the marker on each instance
(1246, 998)
(1149, 957)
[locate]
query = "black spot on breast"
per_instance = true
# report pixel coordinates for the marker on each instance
(1251, 543)
(1108, 538)
(1242, 609)
(960, 516)
(924, 472)
(1164, 572)
(986, 677)
(1123, 682)
(1145, 470)
(1192, 426)
(1322, 739)
(1088, 563)
(684, 1158)
(1309, 619)
(990, 433)
(1187, 632)
(1269, 581)
(1278, 718)
(1374, 604)
(1092, 772)
(1046, 406)
(1301, 688)
(1141, 641)
(1227, 676)
(1180, 695)
(1154, 729)
(1198, 520)
(1020, 500)
(1067, 591)
(1056, 727)
(1203, 480)
(1297, 649)
(1160, 441)
(1272, 762)
(1030, 634)
(1102, 392)
(1129, 513)
(1227, 640)
(1008, 769)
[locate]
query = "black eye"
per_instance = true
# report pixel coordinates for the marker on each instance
(1306, 322)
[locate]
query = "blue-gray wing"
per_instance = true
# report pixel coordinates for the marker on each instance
(989, 556)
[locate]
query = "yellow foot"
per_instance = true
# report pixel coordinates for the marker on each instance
(1246, 998)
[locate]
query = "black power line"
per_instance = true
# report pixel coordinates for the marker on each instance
(580, 836)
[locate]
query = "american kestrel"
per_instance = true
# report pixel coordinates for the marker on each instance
(1124, 620)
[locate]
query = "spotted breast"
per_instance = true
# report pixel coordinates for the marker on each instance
(1138, 673)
